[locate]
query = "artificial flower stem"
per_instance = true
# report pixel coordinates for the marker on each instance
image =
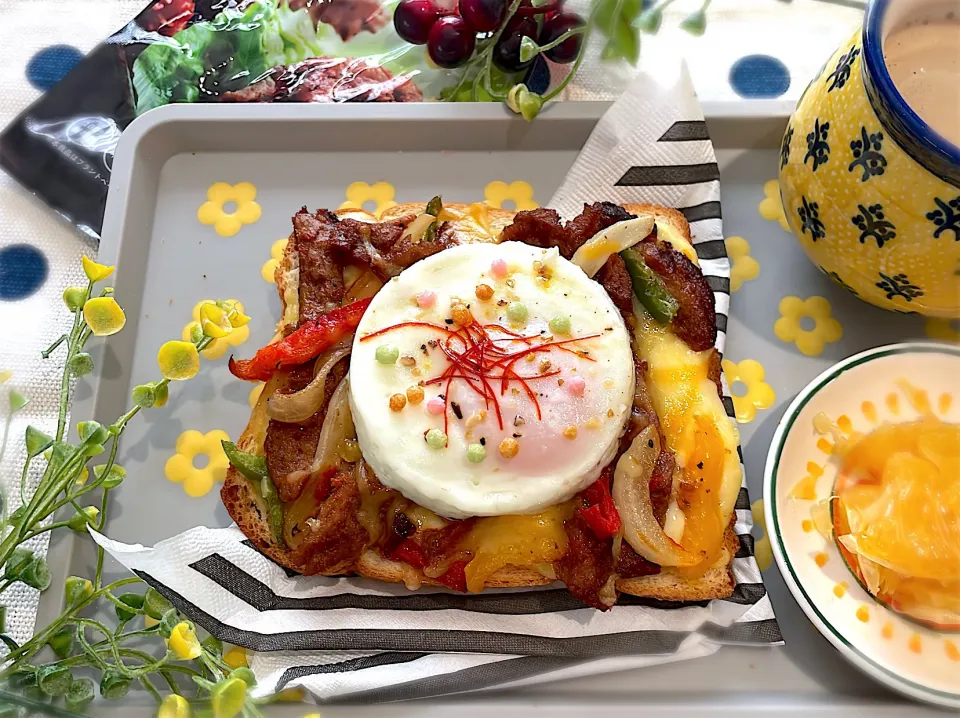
(49, 350)
(580, 30)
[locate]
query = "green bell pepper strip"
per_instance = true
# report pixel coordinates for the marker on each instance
(649, 288)
(254, 468)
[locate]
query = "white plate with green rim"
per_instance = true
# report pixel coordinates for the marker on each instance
(911, 658)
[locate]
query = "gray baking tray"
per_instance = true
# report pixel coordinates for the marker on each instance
(306, 155)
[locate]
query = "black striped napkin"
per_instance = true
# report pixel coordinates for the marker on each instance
(349, 638)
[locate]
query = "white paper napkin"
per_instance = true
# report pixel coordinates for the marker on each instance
(350, 637)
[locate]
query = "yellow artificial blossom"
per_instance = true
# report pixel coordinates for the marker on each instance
(214, 321)
(759, 394)
(174, 706)
(95, 272)
(743, 267)
(236, 318)
(380, 193)
(229, 697)
(183, 642)
(104, 316)
(810, 342)
(213, 211)
(290, 695)
(5, 375)
(236, 657)
(178, 360)
(520, 193)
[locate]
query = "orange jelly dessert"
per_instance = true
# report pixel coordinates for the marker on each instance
(896, 517)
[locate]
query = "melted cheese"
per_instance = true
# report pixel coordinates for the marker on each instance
(690, 412)
(527, 541)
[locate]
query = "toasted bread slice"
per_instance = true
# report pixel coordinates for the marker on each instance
(472, 223)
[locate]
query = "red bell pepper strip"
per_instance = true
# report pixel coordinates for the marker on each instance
(601, 513)
(306, 343)
(455, 577)
(409, 552)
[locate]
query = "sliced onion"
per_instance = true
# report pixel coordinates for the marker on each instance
(363, 287)
(301, 405)
(337, 425)
(631, 494)
(418, 226)
(615, 238)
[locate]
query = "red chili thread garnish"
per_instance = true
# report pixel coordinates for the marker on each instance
(475, 357)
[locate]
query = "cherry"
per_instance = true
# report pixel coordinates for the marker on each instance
(451, 41)
(414, 18)
(483, 15)
(506, 53)
(555, 26)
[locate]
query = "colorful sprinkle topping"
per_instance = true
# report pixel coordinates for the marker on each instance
(436, 406)
(387, 354)
(560, 325)
(426, 299)
(499, 268)
(436, 439)
(576, 385)
(476, 453)
(517, 312)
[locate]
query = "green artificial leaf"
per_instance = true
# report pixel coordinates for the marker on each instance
(114, 478)
(36, 574)
(54, 680)
(650, 20)
(80, 364)
(695, 24)
(134, 601)
(17, 400)
(37, 442)
(80, 695)
(113, 686)
(529, 49)
(62, 642)
(616, 20)
(17, 563)
(155, 605)
(92, 432)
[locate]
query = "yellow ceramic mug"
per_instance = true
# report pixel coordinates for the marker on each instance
(869, 189)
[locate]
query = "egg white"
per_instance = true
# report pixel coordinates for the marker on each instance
(550, 468)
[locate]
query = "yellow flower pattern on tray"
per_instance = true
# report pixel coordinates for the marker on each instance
(181, 467)
(520, 193)
(945, 330)
(758, 395)
(226, 219)
(743, 267)
(269, 268)
(379, 193)
(218, 347)
(789, 327)
(771, 207)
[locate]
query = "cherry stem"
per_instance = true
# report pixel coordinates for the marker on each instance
(531, 11)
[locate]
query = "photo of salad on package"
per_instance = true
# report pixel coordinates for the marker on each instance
(241, 51)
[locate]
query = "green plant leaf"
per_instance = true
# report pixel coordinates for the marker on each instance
(54, 680)
(92, 432)
(62, 642)
(80, 364)
(113, 686)
(37, 442)
(36, 574)
(529, 49)
(155, 605)
(76, 590)
(115, 476)
(17, 400)
(134, 601)
(80, 694)
(17, 563)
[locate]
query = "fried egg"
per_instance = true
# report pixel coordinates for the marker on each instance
(491, 379)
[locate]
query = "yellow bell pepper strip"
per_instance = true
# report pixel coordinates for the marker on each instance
(306, 343)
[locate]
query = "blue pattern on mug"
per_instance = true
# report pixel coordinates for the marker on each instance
(866, 154)
(810, 219)
(946, 217)
(817, 147)
(872, 223)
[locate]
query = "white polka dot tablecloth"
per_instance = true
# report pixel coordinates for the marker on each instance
(751, 49)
